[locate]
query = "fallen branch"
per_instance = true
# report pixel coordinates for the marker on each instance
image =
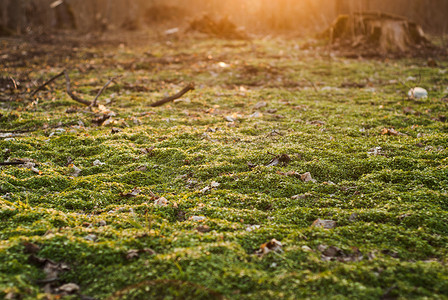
(13, 163)
(70, 93)
(40, 88)
(14, 82)
(94, 104)
(185, 90)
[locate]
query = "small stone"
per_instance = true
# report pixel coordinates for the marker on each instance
(417, 93)
(75, 171)
(97, 162)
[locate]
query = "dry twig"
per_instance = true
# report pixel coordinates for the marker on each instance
(94, 103)
(12, 163)
(47, 83)
(70, 93)
(185, 90)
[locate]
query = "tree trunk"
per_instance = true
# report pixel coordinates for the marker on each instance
(380, 32)
(15, 16)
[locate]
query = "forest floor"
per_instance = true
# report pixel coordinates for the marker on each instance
(216, 195)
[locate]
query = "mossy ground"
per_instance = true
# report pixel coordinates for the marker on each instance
(393, 206)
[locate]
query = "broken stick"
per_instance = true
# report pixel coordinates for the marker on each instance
(12, 163)
(94, 104)
(185, 90)
(40, 88)
(70, 93)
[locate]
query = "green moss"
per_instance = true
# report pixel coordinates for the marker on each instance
(392, 206)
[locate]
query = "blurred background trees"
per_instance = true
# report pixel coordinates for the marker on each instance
(301, 16)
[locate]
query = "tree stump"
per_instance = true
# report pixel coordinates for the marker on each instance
(376, 31)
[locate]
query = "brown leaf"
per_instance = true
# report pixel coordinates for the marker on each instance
(282, 158)
(390, 131)
(115, 130)
(408, 110)
(272, 245)
(31, 248)
(135, 253)
(132, 254)
(326, 224)
(68, 288)
(162, 201)
(330, 253)
(203, 228)
(148, 150)
(306, 177)
(132, 193)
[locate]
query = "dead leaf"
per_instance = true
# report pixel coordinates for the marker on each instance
(229, 119)
(162, 202)
(115, 130)
(135, 253)
(214, 184)
(148, 151)
(203, 228)
(306, 249)
(301, 196)
(326, 224)
(132, 193)
(391, 253)
(284, 159)
(141, 168)
(260, 104)
(250, 228)
(306, 177)
(390, 131)
(31, 248)
(408, 110)
(132, 254)
(91, 237)
(272, 245)
(198, 218)
(374, 151)
(68, 289)
(330, 253)
(316, 122)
